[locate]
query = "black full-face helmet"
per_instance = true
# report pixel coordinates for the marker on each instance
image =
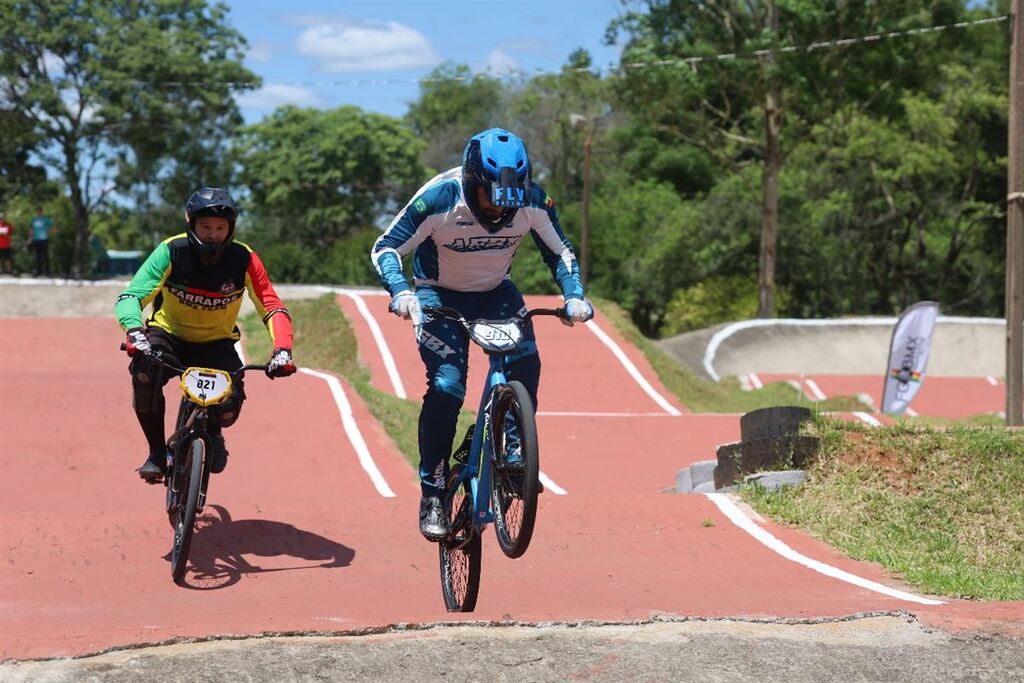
(496, 160)
(216, 202)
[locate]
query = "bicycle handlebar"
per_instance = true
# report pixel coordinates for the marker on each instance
(455, 315)
(157, 355)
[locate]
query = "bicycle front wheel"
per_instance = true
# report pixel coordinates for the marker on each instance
(460, 553)
(174, 496)
(516, 468)
(189, 482)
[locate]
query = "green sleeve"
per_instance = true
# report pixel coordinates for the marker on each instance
(143, 288)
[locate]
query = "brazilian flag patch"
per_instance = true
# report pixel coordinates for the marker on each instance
(421, 205)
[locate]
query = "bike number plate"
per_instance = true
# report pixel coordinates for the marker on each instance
(501, 337)
(206, 386)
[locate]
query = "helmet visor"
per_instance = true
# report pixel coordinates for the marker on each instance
(507, 192)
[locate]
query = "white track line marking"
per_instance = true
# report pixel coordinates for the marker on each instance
(816, 391)
(348, 420)
(382, 344)
(736, 516)
(554, 413)
(911, 412)
(992, 380)
(631, 369)
(796, 385)
(866, 399)
(864, 417)
(550, 485)
(745, 382)
(756, 381)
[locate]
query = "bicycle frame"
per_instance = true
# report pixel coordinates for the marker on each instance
(479, 465)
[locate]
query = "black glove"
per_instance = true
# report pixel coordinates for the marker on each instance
(281, 364)
(138, 342)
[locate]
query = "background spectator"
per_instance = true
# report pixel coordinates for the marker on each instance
(42, 225)
(6, 230)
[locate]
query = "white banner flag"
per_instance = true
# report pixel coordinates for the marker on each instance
(908, 356)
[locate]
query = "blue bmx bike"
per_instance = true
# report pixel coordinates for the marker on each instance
(495, 471)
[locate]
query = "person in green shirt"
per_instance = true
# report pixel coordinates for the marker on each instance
(42, 226)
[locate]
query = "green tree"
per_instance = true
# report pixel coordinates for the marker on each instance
(318, 176)
(117, 82)
(887, 212)
(732, 108)
(17, 142)
(454, 104)
(554, 113)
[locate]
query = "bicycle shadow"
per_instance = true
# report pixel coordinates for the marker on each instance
(217, 558)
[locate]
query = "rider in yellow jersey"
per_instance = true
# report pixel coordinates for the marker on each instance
(195, 281)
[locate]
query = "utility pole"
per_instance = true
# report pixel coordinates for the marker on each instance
(771, 170)
(585, 209)
(1015, 225)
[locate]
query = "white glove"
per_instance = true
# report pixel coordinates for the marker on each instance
(578, 311)
(406, 305)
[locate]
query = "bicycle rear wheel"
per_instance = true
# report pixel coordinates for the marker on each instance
(461, 552)
(190, 480)
(514, 490)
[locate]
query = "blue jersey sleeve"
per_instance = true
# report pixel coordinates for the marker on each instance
(554, 246)
(409, 228)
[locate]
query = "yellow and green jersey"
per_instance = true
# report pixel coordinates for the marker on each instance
(200, 303)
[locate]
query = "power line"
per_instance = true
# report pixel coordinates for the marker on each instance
(597, 71)
(841, 42)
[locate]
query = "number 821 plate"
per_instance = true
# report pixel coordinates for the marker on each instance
(206, 386)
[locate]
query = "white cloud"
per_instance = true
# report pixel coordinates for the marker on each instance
(259, 51)
(499, 63)
(379, 46)
(275, 95)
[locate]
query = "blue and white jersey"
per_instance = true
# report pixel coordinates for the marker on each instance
(452, 249)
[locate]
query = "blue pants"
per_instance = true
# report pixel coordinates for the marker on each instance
(444, 348)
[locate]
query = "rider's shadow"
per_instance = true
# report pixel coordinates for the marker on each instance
(220, 544)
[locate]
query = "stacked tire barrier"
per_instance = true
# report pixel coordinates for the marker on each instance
(770, 439)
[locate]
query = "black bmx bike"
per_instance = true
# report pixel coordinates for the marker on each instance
(187, 474)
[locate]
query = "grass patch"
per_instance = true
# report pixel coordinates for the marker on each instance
(324, 340)
(942, 507)
(706, 396)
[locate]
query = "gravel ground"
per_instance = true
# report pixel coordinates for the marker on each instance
(880, 648)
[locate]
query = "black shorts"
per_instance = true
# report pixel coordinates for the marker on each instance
(5, 253)
(218, 354)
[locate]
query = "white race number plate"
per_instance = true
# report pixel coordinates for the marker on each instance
(206, 386)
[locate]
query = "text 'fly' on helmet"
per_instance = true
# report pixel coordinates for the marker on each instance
(215, 202)
(496, 160)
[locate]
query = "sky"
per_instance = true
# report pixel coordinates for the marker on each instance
(328, 53)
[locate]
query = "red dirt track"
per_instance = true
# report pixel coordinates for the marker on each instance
(953, 397)
(297, 538)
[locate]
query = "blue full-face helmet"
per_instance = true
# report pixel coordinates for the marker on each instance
(496, 160)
